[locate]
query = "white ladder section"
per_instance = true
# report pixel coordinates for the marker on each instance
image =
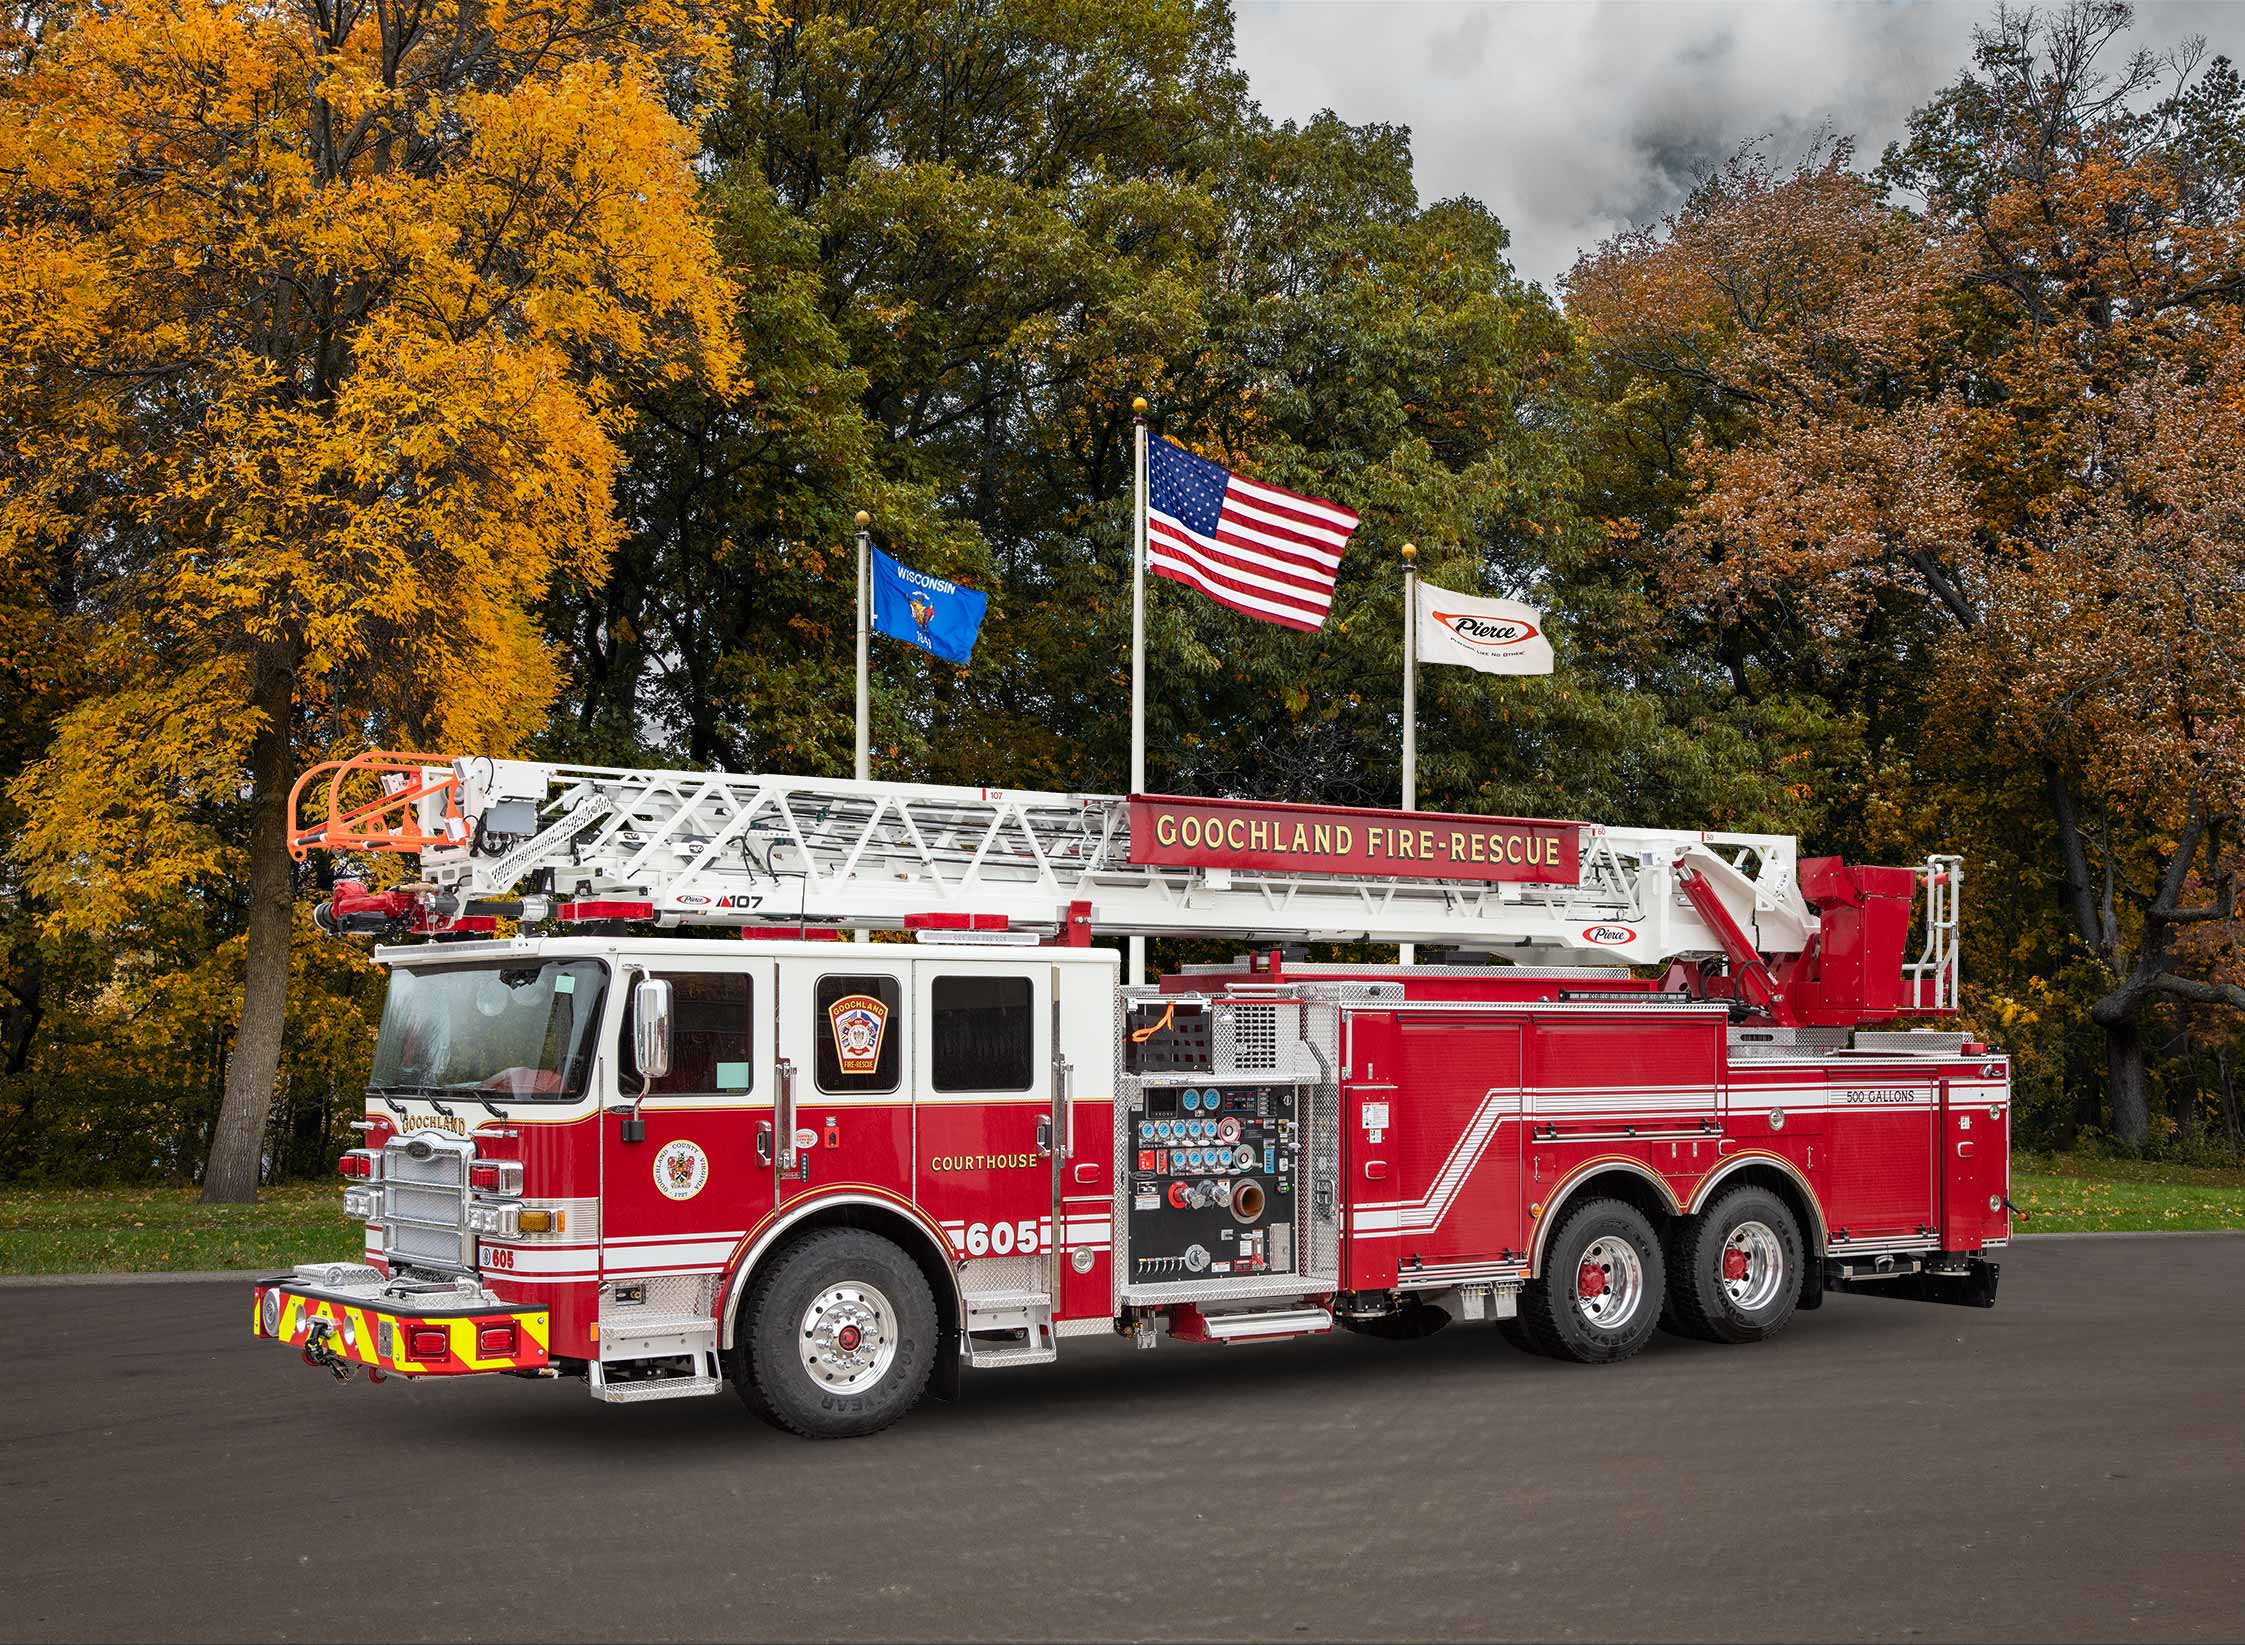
(712, 848)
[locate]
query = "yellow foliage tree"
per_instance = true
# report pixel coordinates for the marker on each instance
(317, 325)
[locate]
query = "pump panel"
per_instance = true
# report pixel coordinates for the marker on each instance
(1213, 1178)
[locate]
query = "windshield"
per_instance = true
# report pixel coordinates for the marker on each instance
(527, 1032)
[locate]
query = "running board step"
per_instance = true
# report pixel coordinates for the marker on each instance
(627, 1393)
(1191, 1325)
(1008, 1328)
(705, 1378)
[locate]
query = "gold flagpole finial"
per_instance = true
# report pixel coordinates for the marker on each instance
(1410, 552)
(1138, 406)
(863, 519)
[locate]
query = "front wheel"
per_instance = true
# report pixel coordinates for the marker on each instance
(1738, 1269)
(1599, 1297)
(837, 1337)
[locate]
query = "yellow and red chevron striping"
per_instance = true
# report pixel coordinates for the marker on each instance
(516, 1338)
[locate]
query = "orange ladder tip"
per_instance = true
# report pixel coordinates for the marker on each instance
(389, 823)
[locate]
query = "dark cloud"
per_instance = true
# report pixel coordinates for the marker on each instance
(1573, 121)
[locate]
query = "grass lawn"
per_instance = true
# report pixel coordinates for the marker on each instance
(156, 1230)
(2073, 1194)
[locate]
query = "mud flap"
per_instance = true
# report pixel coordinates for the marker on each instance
(943, 1376)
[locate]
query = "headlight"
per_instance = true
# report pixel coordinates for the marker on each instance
(494, 1219)
(361, 1203)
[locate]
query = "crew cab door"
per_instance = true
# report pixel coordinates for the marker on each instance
(844, 1120)
(989, 1130)
(679, 1200)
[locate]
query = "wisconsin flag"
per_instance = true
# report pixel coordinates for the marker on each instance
(1495, 636)
(937, 616)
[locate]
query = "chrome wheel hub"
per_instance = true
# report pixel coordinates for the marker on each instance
(848, 1337)
(1610, 1283)
(1753, 1266)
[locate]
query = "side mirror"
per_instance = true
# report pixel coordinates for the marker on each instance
(650, 1028)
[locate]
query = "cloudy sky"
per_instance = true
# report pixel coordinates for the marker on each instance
(1571, 120)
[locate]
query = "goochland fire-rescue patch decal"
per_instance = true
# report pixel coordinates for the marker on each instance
(859, 1022)
(681, 1168)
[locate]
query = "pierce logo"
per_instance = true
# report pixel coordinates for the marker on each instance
(1608, 936)
(1488, 633)
(691, 899)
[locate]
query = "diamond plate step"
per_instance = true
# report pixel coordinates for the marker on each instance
(1008, 1310)
(632, 1325)
(627, 1393)
(995, 1359)
(706, 1377)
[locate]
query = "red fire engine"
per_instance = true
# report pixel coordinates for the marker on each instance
(1657, 1079)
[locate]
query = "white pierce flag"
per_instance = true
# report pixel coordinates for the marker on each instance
(1495, 636)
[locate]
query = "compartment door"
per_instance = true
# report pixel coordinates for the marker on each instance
(1975, 1168)
(1433, 1158)
(1879, 1126)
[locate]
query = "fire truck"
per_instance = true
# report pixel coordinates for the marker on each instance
(668, 1128)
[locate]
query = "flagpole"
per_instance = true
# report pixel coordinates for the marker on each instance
(864, 656)
(864, 644)
(1407, 953)
(1137, 954)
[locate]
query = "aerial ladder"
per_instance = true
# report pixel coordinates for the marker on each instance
(1734, 915)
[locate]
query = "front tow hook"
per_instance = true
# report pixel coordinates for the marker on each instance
(317, 1352)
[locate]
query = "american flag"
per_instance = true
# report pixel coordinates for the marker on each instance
(1257, 548)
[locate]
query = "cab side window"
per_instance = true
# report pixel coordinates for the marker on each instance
(858, 1028)
(982, 1033)
(713, 1018)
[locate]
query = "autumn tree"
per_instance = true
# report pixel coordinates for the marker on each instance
(320, 323)
(1936, 462)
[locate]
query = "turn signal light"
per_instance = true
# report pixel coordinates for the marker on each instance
(484, 1176)
(357, 1163)
(428, 1342)
(541, 1222)
(494, 1340)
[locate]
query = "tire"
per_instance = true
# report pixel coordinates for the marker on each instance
(837, 1337)
(1673, 1251)
(1753, 1232)
(1559, 1317)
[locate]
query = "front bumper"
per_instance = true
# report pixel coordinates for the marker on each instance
(348, 1314)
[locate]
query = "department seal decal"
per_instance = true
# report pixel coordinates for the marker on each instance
(681, 1168)
(859, 1021)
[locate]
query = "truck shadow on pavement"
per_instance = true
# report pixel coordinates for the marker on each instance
(1110, 1380)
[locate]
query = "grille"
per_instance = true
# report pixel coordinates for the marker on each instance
(425, 1202)
(1254, 1037)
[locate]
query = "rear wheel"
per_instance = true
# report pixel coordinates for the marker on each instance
(1738, 1269)
(837, 1337)
(1599, 1297)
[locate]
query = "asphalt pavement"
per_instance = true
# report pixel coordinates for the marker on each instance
(2068, 1465)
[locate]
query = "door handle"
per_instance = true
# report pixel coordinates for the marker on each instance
(1044, 1136)
(764, 1142)
(783, 1116)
